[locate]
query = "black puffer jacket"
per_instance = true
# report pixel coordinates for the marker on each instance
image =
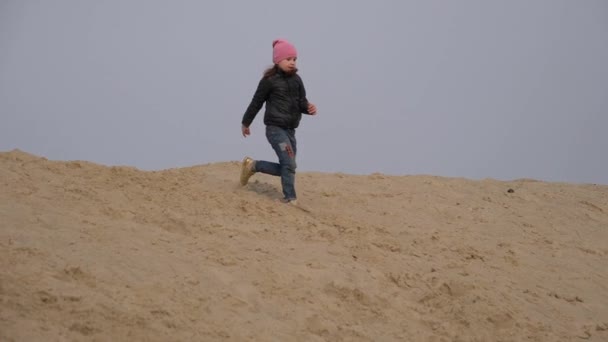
(285, 99)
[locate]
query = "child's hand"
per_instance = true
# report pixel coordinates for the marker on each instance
(312, 109)
(245, 131)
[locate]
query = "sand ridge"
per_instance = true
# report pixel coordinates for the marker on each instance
(91, 252)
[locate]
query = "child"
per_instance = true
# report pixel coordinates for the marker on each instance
(283, 92)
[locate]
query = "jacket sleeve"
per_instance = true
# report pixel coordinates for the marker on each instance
(260, 96)
(302, 101)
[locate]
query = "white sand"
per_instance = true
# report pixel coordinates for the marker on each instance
(89, 252)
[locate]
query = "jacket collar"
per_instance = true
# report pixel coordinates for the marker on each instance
(283, 73)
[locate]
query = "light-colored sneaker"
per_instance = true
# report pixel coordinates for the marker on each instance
(293, 202)
(247, 170)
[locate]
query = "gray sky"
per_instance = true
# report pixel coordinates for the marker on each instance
(471, 88)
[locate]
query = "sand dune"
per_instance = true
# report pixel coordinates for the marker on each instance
(90, 252)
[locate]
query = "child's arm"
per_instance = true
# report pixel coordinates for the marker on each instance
(260, 96)
(305, 106)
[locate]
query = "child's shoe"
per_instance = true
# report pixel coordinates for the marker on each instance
(292, 201)
(247, 170)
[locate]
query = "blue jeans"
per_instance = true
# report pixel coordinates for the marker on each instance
(283, 141)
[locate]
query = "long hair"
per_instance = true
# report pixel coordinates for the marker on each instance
(272, 70)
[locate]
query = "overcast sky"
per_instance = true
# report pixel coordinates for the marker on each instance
(471, 88)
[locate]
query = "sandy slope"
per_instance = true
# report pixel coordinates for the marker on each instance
(89, 252)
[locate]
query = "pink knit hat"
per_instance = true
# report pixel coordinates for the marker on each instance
(282, 49)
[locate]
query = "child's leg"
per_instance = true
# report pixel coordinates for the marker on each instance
(267, 167)
(283, 143)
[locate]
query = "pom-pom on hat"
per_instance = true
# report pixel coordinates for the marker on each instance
(282, 49)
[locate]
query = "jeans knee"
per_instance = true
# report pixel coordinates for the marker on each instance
(290, 165)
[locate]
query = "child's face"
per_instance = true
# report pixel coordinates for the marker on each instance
(288, 64)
